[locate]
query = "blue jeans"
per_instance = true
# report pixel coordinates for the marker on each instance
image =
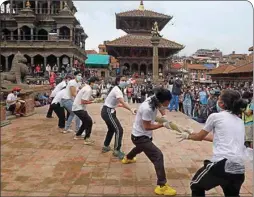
(67, 104)
(187, 110)
(174, 103)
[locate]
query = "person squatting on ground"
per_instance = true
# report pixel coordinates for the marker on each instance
(108, 114)
(226, 167)
(142, 134)
(58, 109)
(247, 117)
(67, 100)
(82, 99)
(58, 88)
(14, 104)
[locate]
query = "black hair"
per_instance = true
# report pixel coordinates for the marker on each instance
(77, 72)
(117, 80)
(233, 102)
(93, 79)
(246, 95)
(161, 95)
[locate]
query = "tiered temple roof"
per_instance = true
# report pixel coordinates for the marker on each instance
(134, 40)
(230, 69)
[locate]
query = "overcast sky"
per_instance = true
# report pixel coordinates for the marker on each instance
(225, 25)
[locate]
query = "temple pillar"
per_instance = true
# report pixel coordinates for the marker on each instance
(61, 5)
(5, 10)
(155, 42)
(58, 32)
(11, 6)
(32, 33)
(40, 10)
(18, 33)
(139, 69)
(11, 35)
(71, 34)
(45, 61)
(36, 7)
(6, 64)
(24, 4)
(71, 61)
(48, 7)
(58, 62)
(32, 61)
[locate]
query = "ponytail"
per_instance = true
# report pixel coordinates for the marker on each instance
(239, 106)
(153, 102)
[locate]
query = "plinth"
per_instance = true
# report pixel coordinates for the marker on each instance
(155, 40)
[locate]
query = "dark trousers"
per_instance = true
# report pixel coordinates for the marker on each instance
(213, 175)
(60, 114)
(114, 126)
(145, 144)
(50, 110)
(87, 123)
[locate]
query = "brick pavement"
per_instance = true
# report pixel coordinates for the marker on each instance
(38, 160)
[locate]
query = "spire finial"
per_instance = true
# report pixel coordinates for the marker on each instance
(141, 6)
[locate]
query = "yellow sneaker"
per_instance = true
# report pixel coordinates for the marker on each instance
(126, 161)
(165, 190)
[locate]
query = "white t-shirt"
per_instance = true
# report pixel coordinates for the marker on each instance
(111, 100)
(229, 132)
(72, 83)
(84, 94)
(144, 113)
(59, 87)
(11, 97)
(58, 97)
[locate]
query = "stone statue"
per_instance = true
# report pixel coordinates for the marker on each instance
(155, 30)
(19, 70)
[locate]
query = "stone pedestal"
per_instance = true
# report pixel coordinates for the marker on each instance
(3, 118)
(155, 40)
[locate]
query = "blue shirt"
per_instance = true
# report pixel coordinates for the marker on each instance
(187, 99)
(203, 98)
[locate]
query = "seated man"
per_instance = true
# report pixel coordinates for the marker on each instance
(14, 103)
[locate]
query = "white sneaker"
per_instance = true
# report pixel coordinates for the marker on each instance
(83, 134)
(88, 141)
(78, 137)
(68, 131)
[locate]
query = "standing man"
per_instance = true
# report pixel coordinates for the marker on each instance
(82, 99)
(176, 91)
(67, 100)
(57, 89)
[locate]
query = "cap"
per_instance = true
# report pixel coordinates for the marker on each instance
(16, 89)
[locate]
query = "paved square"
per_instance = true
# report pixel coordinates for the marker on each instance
(38, 160)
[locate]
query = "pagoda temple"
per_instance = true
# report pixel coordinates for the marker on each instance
(134, 50)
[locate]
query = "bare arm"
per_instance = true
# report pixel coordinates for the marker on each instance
(73, 91)
(163, 112)
(248, 113)
(124, 104)
(149, 126)
(201, 135)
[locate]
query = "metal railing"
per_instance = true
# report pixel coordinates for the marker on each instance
(36, 11)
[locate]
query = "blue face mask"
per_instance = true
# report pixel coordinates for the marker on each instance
(123, 84)
(218, 107)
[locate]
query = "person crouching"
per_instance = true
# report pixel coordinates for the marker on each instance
(14, 104)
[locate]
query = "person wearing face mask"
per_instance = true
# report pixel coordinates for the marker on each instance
(82, 99)
(142, 135)
(57, 89)
(108, 114)
(247, 117)
(226, 130)
(67, 100)
(14, 104)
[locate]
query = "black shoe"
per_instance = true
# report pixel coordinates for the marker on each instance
(49, 117)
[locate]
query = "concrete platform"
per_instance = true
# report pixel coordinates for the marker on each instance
(38, 160)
